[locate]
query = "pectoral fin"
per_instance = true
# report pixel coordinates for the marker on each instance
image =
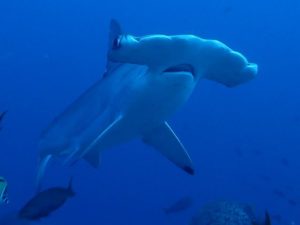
(41, 171)
(91, 153)
(166, 142)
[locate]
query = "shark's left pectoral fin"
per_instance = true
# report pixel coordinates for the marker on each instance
(43, 162)
(91, 153)
(166, 142)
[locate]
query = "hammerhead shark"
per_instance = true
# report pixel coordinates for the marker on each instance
(146, 80)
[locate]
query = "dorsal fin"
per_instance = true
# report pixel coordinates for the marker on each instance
(114, 32)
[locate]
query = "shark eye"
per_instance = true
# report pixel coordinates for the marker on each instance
(116, 43)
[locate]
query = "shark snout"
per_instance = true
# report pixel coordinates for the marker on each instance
(250, 70)
(246, 74)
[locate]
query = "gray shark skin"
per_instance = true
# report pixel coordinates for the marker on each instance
(146, 80)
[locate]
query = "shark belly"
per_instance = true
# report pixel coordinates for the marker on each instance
(142, 106)
(146, 103)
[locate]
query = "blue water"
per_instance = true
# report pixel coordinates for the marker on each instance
(244, 141)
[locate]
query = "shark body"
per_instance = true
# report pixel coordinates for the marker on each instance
(146, 80)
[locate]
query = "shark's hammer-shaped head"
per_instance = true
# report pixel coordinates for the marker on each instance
(160, 53)
(187, 54)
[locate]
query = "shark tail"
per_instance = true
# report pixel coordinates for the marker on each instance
(267, 218)
(41, 171)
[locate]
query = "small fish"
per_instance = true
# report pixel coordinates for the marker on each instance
(257, 152)
(45, 202)
(292, 202)
(227, 9)
(285, 162)
(279, 193)
(180, 205)
(3, 191)
(266, 178)
(239, 152)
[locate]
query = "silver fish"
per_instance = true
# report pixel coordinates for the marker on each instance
(46, 202)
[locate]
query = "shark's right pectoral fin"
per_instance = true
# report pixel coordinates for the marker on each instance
(166, 142)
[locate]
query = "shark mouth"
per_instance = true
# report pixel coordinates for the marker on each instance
(181, 68)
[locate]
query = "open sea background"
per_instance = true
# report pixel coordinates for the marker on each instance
(244, 141)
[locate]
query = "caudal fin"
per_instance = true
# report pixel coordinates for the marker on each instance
(41, 171)
(267, 218)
